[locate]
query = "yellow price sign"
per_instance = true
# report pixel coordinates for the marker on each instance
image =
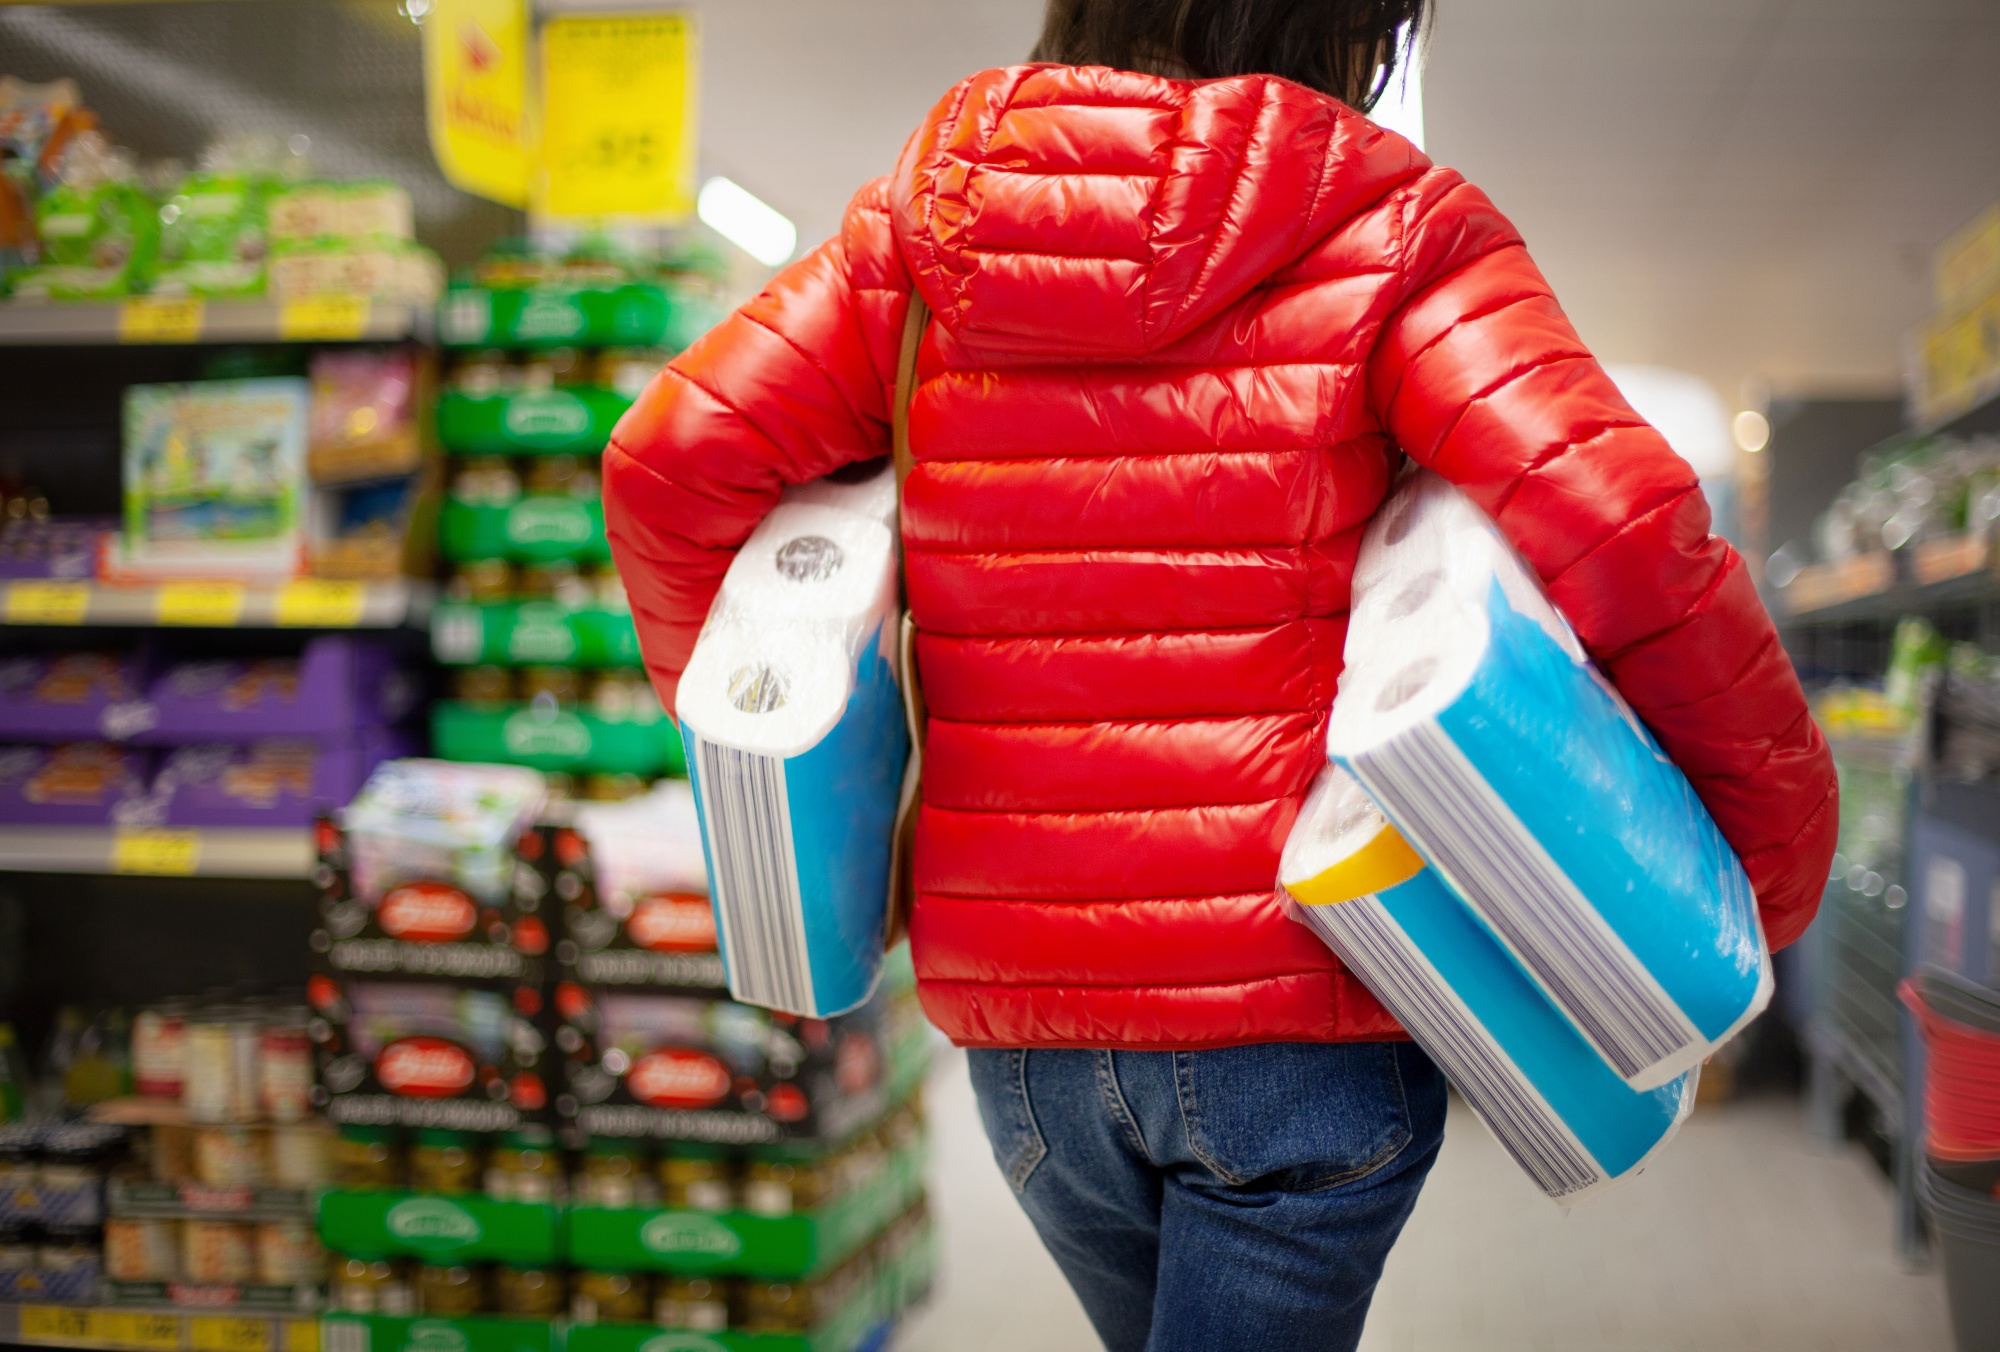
(134, 1332)
(225, 1333)
(47, 602)
(618, 117)
(147, 319)
(161, 853)
(315, 603)
(57, 1324)
(326, 319)
(201, 604)
(302, 1335)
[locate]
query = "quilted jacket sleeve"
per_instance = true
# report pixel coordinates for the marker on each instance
(1478, 375)
(790, 387)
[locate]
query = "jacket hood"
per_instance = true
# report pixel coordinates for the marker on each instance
(1079, 210)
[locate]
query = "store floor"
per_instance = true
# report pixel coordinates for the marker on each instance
(1745, 1235)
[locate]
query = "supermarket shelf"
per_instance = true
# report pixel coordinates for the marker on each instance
(219, 605)
(214, 852)
(1933, 575)
(147, 320)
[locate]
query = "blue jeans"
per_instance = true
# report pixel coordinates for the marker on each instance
(1244, 1197)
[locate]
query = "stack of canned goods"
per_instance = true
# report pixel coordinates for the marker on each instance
(52, 1209)
(225, 1061)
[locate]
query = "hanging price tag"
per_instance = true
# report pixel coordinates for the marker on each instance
(317, 604)
(220, 1333)
(165, 853)
(47, 602)
(202, 604)
(151, 320)
(326, 319)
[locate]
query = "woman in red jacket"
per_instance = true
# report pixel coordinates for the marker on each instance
(1186, 324)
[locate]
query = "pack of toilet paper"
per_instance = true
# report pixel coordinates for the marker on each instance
(866, 488)
(1473, 718)
(1545, 1094)
(796, 742)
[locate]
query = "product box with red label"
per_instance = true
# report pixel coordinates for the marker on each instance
(425, 879)
(457, 1055)
(693, 1067)
(634, 894)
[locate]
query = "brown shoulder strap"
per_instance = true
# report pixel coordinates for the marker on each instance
(914, 320)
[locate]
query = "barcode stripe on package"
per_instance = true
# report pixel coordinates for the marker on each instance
(1376, 948)
(756, 876)
(1426, 781)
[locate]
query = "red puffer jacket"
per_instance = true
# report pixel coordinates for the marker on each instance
(1181, 331)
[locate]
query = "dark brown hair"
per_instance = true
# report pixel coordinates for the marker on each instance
(1346, 48)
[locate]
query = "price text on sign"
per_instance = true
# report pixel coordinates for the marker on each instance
(316, 604)
(136, 1332)
(223, 1333)
(166, 853)
(210, 604)
(618, 117)
(55, 1324)
(47, 602)
(323, 319)
(147, 320)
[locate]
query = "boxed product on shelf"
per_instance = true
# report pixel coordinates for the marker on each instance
(98, 231)
(587, 297)
(338, 686)
(214, 235)
(410, 1052)
(419, 925)
(341, 691)
(477, 416)
(71, 784)
(364, 416)
(215, 481)
(645, 1064)
(77, 694)
(274, 782)
(634, 890)
(549, 736)
(56, 548)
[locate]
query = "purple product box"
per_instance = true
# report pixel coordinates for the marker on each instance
(78, 784)
(62, 548)
(277, 782)
(337, 685)
(74, 696)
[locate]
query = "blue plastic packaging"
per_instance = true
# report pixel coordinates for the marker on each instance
(797, 745)
(1473, 718)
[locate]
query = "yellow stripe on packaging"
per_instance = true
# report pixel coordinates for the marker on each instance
(1382, 863)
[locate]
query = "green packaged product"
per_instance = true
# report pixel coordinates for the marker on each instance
(214, 237)
(99, 232)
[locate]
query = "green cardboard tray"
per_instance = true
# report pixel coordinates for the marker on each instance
(738, 1242)
(534, 528)
(466, 1333)
(469, 1229)
(571, 420)
(638, 314)
(533, 633)
(571, 740)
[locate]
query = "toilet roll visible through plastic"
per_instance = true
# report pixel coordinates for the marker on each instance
(1552, 1102)
(796, 749)
(1475, 721)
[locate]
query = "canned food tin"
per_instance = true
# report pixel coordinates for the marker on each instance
(159, 1052)
(609, 1297)
(285, 1069)
(299, 1157)
(370, 1286)
(69, 1272)
(217, 1253)
(209, 1091)
(449, 1290)
(698, 1304)
(532, 1293)
(229, 1157)
(141, 1249)
(288, 1254)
